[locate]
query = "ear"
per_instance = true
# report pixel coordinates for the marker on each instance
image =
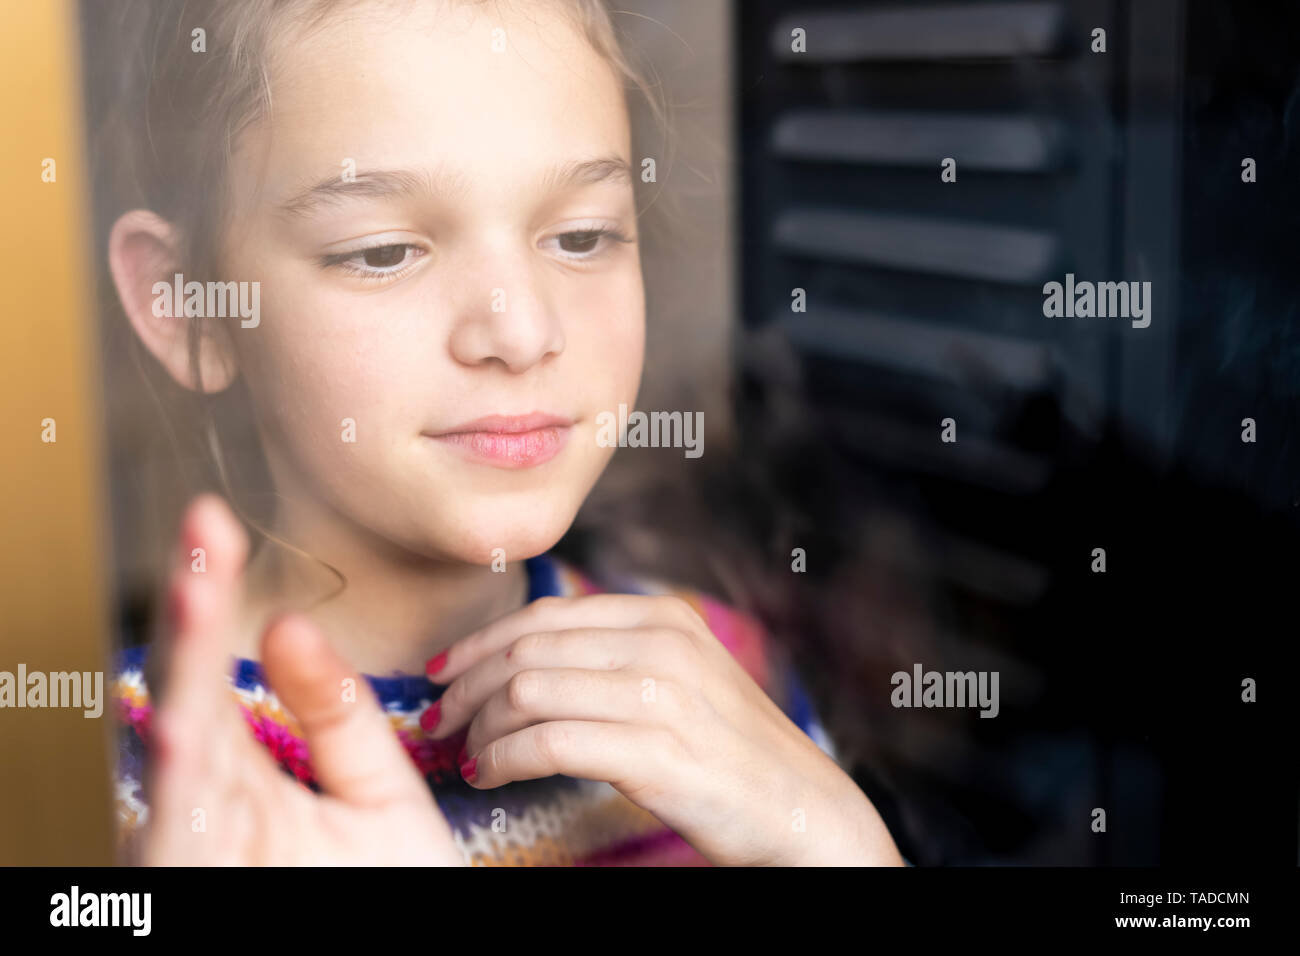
(142, 251)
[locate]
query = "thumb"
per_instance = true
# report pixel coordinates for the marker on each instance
(354, 751)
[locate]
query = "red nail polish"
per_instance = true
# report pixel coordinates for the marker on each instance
(436, 664)
(469, 769)
(429, 719)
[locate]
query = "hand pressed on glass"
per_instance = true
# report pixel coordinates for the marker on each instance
(216, 795)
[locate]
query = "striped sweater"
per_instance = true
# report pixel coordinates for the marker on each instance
(555, 821)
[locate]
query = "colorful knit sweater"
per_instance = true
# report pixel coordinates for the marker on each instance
(557, 820)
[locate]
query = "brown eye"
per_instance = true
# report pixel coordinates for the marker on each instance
(580, 241)
(382, 257)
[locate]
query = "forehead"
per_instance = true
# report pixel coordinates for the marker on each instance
(487, 92)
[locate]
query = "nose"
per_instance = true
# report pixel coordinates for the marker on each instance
(505, 315)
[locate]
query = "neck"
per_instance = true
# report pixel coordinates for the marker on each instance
(396, 609)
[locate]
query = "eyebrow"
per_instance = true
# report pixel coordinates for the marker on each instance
(439, 181)
(588, 172)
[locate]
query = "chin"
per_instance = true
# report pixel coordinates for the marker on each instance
(522, 529)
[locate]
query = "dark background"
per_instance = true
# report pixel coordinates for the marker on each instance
(1119, 690)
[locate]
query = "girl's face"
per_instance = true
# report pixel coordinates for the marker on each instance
(440, 213)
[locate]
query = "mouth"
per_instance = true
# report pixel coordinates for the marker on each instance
(508, 441)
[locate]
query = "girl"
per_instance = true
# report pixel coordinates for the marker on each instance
(435, 203)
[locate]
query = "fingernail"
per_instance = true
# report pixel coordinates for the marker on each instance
(436, 664)
(469, 770)
(429, 719)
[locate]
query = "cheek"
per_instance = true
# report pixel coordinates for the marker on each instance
(611, 340)
(316, 380)
(631, 354)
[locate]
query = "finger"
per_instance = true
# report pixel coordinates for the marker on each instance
(590, 648)
(354, 750)
(562, 614)
(194, 698)
(624, 755)
(534, 696)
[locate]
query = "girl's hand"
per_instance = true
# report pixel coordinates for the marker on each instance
(216, 795)
(636, 691)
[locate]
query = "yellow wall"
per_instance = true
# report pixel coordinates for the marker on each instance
(54, 561)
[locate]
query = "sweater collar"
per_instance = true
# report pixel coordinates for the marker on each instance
(546, 578)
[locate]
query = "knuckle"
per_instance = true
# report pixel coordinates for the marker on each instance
(523, 689)
(670, 605)
(330, 714)
(544, 605)
(681, 648)
(675, 608)
(554, 743)
(680, 641)
(527, 648)
(454, 697)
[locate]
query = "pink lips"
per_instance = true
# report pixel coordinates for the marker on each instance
(509, 441)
